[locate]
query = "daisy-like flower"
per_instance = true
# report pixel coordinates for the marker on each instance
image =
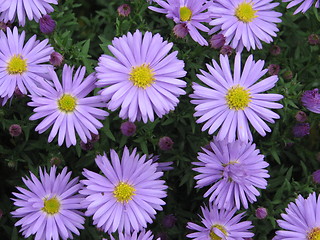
(49, 208)
(33, 9)
(220, 224)
(230, 101)
(245, 23)
(21, 65)
(304, 4)
(190, 12)
(301, 220)
(66, 107)
(311, 100)
(141, 78)
(127, 196)
(143, 235)
(234, 170)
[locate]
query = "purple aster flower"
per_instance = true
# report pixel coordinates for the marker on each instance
(235, 167)
(311, 100)
(141, 78)
(191, 12)
(22, 65)
(143, 235)
(47, 24)
(305, 4)
(301, 220)
(33, 9)
(127, 196)
(220, 224)
(66, 107)
(245, 23)
(229, 102)
(49, 208)
(301, 129)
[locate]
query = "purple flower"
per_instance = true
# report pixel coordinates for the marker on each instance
(245, 23)
(141, 78)
(165, 143)
(217, 41)
(47, 24)
(124, 10)
(229, 101)
(191, 12)
(301, 129)
(226, 50)
(143, 235)
(15, 130)
(301, 220)
(235, 167)
(301, 116)
(305, 5)
(49, 207)
(261, 213)
(33, 9)
(22, 64)
(273, 69)
(220, 224)
(169, 221)
(66, 108)
(316, 176)
(128, 194)
(56, 59)
(311, 100)
(128, 128)
(180, 30)
(275, 50)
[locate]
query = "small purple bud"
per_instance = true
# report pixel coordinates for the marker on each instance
(313, 39)
(56, 59)
(124, 10)
(311, 100)
(18, 93)
(128, 128)
(287, 75)
(316, 176)
(47, 24)
(275, 50)
(226, 50)
(217, 41)
(261, 213)
(273, 69)
(301, 116)
(165, 143)
(180, 30)
(301, 129)
(169, 221)
(15, 130)
(94, 138)
(86, 146)
(55, 161)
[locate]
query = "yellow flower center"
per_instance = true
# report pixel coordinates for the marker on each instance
(142, 76)
(123, 192)
(185, 14)
(314, 234)
(51, 206)
(214, 236)
(245, 13)
(17, 65)
(67, 103)
(238, 98)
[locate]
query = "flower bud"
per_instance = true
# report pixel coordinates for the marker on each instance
(217, 41)
(273, 69)
(261, 213)
(226, 50)
(124, 10)
(301, 129)
(275, 50)
(316, 176)
(313, 39)
(165, 143)
(47, 24)
(301, 116)
(15, 130)
(169, 220)
(287, 75)
(180, 30)
(128, 128)
(56, 59)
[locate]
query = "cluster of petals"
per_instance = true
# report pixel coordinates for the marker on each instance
(304, 4)
(65, 107)
(49, 207)
(229, 101)
(196, 13)
(245, 23)
(142, 78)
(22, 65)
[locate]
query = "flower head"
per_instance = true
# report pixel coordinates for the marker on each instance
(235, 167)
(311, 100)
(22, 65)
(245, 23)
(141, 78)
(190, 12)
(305, 4)
(33, 9)
(220, 224)
(229, 102)
(66, 108)
(301, 220)
(127, 196)
(49, 207)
